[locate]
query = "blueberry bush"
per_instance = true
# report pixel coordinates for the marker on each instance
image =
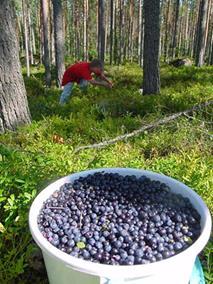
(37, 154)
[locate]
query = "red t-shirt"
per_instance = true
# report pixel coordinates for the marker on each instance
(77, 72)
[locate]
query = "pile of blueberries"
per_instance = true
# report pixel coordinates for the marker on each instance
(118, 220)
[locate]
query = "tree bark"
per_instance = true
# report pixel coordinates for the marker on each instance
(207, 27)
(106, 28)
(211, 54)
(26, 37)
(59, 39)
(174, 40)
(140, 22)
(121, 25)
(186, 40)
(51, 35)
(14, 109)
(115, 51)
(101, 30)
(111, 31)
(201, 33)
(151, 76)
(85, 30)
(30, 36)
(166, 31)
(46, 57)
(131, 27)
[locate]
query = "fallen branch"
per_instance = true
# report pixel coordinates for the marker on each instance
(143, 128)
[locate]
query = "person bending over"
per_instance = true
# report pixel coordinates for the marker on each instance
(81, 73)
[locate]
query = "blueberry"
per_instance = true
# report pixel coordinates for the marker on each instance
(178, 246)
(85, 254)
(108, 248)
(166, 253)
(123, 254)
(139, 253)
(117, 244)
(156, 218)
(124, 233)
(71, 243)
(119, 219)
(130, 259)
(91, 241)
(64, 240)
(98, 245)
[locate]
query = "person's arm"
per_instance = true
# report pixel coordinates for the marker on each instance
(100, 83)
(103, 77)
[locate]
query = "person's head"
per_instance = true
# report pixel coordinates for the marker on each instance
(96, 66)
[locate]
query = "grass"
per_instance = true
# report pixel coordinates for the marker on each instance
(39, 153)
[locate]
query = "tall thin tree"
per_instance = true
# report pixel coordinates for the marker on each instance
(59, 39)
(166, 31)
(151, 74)
(26, 35)
(85, 15)
(174, 37)
(201, 33)
(46, 57)
(121, 26)
(115, 51)
(140, 32)
(101, 30)
(14, 109)
(111, 31)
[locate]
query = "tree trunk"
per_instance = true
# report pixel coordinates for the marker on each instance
(174, 40)
(59, 39)
(195, 17)
(41, 36)
(101, 30)
(106, 28)
(211, 53)
(52, 39)
(201, 33)
(111, 31)
(30, 36)
(179, 37)
(33, 40)
(21, 35)
(207, 26)
(26, 38)
(14, 109)
(121, 25)
(210, 37)
(142, 38)
(85, 30)
(140, 21)
(166, 31)
(186, 33)
(76, 49)
(131, 28)
(115, 52)
(46, 57)
(151, 76)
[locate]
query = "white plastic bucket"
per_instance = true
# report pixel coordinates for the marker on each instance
(63, 268)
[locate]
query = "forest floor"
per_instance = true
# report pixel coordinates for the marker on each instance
(39, 153)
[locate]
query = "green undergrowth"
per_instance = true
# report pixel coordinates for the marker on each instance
(39, 153)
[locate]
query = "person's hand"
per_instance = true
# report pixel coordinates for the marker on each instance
(110, 84)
